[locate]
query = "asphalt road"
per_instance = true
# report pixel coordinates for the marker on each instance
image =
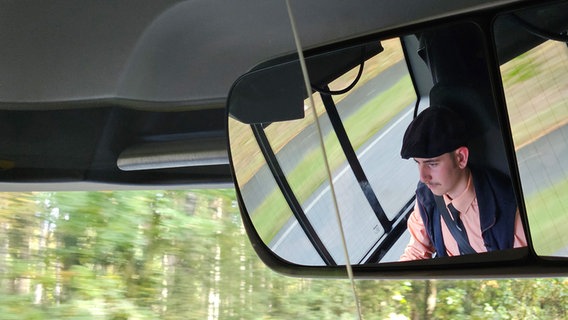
(392, 179)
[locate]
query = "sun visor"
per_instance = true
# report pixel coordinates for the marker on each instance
(275, 91)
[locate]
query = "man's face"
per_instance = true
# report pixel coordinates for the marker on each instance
(443, 174)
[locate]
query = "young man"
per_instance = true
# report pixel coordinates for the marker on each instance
(459, 209)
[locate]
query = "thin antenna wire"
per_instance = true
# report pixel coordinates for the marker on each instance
(320, 135)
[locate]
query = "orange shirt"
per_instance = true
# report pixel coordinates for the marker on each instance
(420, 246)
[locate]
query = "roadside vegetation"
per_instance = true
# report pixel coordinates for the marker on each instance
(141, 255)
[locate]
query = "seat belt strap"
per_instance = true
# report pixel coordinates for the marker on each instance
(459, 236)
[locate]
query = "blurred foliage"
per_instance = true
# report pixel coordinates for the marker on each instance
(184, 255)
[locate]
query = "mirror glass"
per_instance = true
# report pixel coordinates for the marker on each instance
(535, 81)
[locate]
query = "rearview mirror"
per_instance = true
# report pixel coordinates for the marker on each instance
(365, 96)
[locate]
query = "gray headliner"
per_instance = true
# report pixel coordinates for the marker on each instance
(177, 53)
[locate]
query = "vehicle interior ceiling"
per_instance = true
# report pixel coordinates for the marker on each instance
(83, 106)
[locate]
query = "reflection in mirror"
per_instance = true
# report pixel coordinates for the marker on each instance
(535, 80)
(368, 120)
(279, 171)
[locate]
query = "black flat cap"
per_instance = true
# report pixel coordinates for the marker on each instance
(435, 131)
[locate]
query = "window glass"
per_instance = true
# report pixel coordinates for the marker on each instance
(361, 131)
(303, 165)
(536, 92)
(374, 114)
(266, 206)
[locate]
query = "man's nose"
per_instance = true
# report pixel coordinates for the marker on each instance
(424, 174)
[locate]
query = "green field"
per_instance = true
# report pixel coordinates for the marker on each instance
(547, 213)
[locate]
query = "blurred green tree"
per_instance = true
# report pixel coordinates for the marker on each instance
(184, 255)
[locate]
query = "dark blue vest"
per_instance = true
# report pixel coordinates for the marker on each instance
(497, 209)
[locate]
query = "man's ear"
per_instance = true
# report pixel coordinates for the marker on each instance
(462, 155)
